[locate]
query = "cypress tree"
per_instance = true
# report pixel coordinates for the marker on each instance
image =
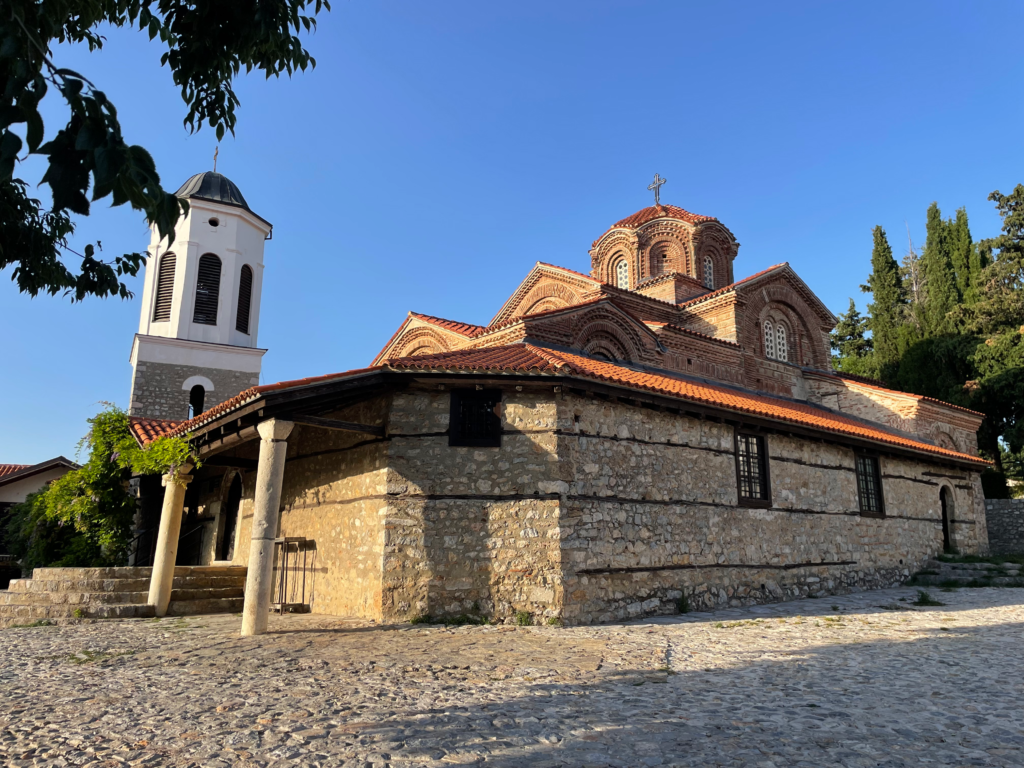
(961, 247)
(852, 345)
(941, 292)
(889, 306)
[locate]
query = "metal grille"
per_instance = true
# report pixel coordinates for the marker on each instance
(293, 582)
(475, 418)
(769, 339)
(244, 299)
(709, 272)
(164, 289)
(869, 485)
(753, 477)
(207, 290)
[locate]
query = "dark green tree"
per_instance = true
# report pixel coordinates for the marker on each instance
(208, 43)
(851, 344)
(942, 295)
(887, 312)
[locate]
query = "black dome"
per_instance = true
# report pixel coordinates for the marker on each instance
(215, 187)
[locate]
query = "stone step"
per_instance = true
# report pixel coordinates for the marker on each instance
(124, 585)
(108, 598)
(131, 572)
(200, 607)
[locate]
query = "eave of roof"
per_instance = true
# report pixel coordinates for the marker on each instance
(531, 359)
(863, 382)
(28, 470)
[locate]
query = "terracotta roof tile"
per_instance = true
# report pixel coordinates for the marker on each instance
(147, 430)
(732, 286)
(529, 358)
(463, 329)
(653, 212)
(863, 381)
(10, 469)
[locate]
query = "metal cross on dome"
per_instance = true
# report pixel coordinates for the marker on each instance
(656, 186)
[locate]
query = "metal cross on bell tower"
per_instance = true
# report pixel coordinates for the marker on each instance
(656, 186)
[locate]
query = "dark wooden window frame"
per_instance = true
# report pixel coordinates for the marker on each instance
(242, 315)
(866, 483)
(208, 278)
(475, 418)
(763, 467)
(163, 302)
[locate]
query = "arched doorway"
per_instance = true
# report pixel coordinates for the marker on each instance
(946, 502)
(229, 512)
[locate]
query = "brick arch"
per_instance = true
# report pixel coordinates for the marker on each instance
(420, 341)
(713, 238)
(550, 294)
(673, 236)
(944, 439)
(804, 327)
(597, 330)
(610, 250)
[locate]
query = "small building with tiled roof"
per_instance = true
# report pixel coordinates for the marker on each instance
(652, 434)
(18, 481)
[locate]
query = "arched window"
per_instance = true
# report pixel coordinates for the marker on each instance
(244, 299)
(164, 289)
(781, 348)
(196, 398)
(207, 290)
(709, 272)
(658, 259)
(622, 274)
(769, 339)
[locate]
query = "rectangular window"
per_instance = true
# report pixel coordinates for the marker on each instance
(869, 486)
(752, 470)
(475, 417)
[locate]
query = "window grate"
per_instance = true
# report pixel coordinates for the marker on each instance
(752, 468)
(709, 272)
(244, 299)
(475, 417)
(869, 486)
(207, 290)
(164, 289)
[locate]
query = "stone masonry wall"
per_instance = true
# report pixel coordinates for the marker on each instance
(157, 392)
(472, 529)
(1005, 526)
(652, 513)
(333, 493)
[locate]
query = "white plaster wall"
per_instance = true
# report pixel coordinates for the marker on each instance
(17, 491)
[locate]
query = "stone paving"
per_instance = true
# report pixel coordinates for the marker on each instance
(860, 680)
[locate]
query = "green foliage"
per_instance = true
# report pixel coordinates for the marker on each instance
(852, 345)
(942, 294)
(887, 312)
(683, 604)
(84, 518)
(524, 619)
(208, 43)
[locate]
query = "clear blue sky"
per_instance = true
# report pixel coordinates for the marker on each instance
(440, 149)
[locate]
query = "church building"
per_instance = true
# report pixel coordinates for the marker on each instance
(649, 435)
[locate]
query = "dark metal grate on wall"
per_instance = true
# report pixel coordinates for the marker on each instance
(244, 299)
(207, 290)
(164, 289)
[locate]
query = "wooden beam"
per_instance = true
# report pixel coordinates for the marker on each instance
(343, 426)
(230, 461)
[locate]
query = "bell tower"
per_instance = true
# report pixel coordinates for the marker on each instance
(197, 340)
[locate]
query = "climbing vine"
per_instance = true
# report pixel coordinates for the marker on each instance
(85, 517)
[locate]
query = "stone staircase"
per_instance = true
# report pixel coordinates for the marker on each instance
(938, 573)
(65, 594)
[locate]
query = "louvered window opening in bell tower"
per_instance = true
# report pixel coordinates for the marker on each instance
(244, 300)
(207, 290)
(164, 289)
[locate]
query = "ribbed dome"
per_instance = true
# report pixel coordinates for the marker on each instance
(214, 187)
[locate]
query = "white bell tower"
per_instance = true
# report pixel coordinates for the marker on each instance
(197, 340)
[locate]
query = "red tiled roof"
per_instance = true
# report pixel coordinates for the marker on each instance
(9, 469)
(524, 358)
(732, 286)
(653, 212)
(529, 358)
(570, 271)
(463, 329)
(863, 381)
(147, 430)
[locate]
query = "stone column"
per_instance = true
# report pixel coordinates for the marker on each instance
(269, 478)
(162, 581)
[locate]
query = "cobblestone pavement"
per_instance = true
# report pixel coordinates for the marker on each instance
(831, 682)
